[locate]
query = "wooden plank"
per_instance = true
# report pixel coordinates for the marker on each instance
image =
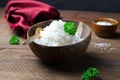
(17, 62)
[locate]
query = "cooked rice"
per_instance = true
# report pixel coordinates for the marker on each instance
(54, 35)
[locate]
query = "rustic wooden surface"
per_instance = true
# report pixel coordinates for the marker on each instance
(17, 62)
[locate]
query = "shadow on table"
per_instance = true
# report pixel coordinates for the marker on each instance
(83, 63)
(76, 67)
(117, 35)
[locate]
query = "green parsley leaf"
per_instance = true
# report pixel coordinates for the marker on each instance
(70, 28)
(14, 40)
(89, 73)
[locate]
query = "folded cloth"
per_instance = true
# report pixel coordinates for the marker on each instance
(21, 14)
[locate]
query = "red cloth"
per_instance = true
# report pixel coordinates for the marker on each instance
(21, 14)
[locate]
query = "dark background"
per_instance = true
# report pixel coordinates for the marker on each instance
(84, 5)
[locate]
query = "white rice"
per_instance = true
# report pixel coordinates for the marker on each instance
(54, 35)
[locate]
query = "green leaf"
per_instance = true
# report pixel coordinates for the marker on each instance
(91, 72)
(70, 28)
(14, 40)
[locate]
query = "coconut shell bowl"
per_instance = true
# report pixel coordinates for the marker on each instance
(58, 54)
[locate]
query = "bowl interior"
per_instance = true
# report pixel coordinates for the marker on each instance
(86, 31)
(109, 20)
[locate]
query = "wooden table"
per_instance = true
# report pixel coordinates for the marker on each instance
(17, 62)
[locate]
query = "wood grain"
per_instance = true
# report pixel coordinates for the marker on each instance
(17, 62)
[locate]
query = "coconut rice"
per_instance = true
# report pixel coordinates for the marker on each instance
(54, 35)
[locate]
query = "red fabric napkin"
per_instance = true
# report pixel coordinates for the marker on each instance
(21, 14)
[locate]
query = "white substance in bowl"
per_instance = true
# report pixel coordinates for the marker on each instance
(54, 35)
(103, 23)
